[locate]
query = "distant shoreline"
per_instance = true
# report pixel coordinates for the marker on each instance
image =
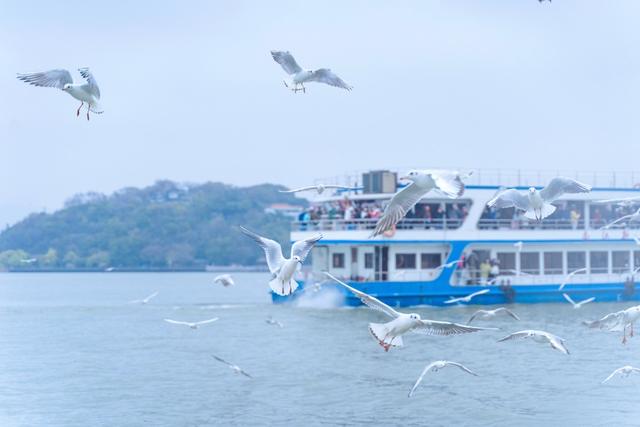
(209, 269)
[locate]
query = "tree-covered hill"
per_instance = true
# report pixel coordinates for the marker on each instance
(166, 225)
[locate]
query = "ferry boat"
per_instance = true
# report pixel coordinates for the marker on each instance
(448, 248)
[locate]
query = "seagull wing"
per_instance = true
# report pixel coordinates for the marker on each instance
(481, 292)
(53, 78)
(91, 82)
(568, 298)
(311, 187)
(508, 199)
(302, 248)
(204, 322)
(272, 249)
(617, 221)
(325, 75)
(448, 183)
(586, 301)
(398, 207)
(367, 299)
(613, 374)
(340, 187)
(561, 185)
(453, 300)
(177, 322)
(474, 315)
(150, 297)
(610, 321)
(419, 380)
(245, 373)
(435, 327)
(220, 359)
(509, 312)
(287, 61)
(461, 366)
(514, 336)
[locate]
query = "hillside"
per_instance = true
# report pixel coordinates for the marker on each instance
(163, 226)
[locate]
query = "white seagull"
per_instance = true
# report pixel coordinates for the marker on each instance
(625, 371)
(282, 269)
(578, 304)
(390, 334)
(449, 183)
(569, 276)
(145, 300)
(490, 314)
(626, 201)
(518, 246)
(224, 279)
(542, 337)
(435, 367)
(88, 92)
(629, 218)
(468, 297)
(448, 265)
(537, 204)
(319, 188)
(271, 321)
(233, 367)
(192, 325)
(618, 321)
(299, 76)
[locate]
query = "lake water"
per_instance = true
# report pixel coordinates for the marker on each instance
(74, 353)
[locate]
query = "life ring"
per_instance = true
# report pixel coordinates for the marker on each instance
(390, 232)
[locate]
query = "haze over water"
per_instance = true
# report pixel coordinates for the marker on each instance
(72, 350)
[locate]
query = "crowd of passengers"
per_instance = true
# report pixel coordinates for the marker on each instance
(430, 215)
(568, 215)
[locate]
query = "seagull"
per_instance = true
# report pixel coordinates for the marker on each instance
(625, 370)
(299, 76)
(632, 217)
(626, 201)
(490, 314)
(435, 367)
(234, 368)
(467, 298)
(450, 183)
(518, 246)
(192, 325)
(390, 334)
(271, 321)
(448, 265)
(542, 337)
(225, 280)
(618, 321)
(319, 188)
(569, 276)
(578, 304)
(145, 300)
(537, 204)
(61, 79)
(283, 269)
(28, 260)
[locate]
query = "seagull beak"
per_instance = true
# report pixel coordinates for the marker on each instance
(403, 178)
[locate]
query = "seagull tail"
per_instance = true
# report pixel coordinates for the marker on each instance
(380, 333)
(96, 108)
(283, 288)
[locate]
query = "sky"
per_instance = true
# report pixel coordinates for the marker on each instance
(192, 94)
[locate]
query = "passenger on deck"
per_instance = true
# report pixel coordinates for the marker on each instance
(574, 217)
(485, 271)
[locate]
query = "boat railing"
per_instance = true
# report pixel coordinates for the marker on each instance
(370, 224)
(525, 224)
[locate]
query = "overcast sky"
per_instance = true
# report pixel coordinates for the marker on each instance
(191, 93)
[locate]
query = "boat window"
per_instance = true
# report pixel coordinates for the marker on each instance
(553, 263)
(599, 262)
(576, 260)
(430, 261)
(405, 261)
(620, 262)
(337, 260)
(530, 262)
(636, 259)
(507, 263)
(368, 260)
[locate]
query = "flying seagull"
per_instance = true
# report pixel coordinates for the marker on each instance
(618, 321)
(569, 276)
(145, 300)
(271, 321)
(435, 367)
(390, 334)
(537, 204)
(625, 371)
(578, 304)
(192, 325)
(468, 297)
(448, 265)
(234, 368)
(449, 183)
(490, 314)
(299, 76)
(225, 280)
(88, 92)
(542, 337)
(632, 217)
(626, 201)
(319, 188)
(282, 269)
